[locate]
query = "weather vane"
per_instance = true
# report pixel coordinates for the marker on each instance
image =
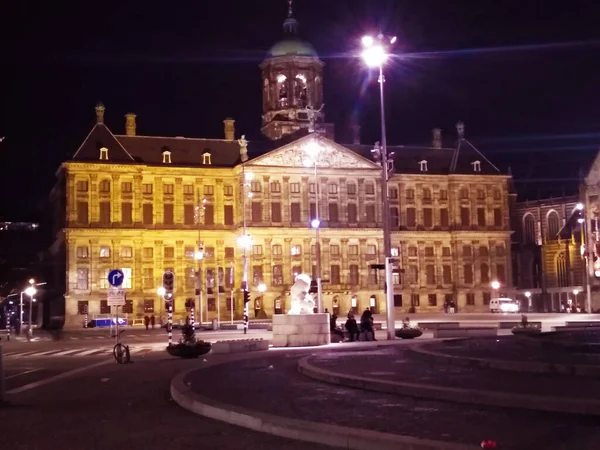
(290, 8)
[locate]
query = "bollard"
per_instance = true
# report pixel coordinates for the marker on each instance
(85, 320)
(170, 325)
(193, 319)
(8, 327)
(2, 386)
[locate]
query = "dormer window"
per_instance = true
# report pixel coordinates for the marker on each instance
(103, 154)
(166, 157)
(206, 159)
(423, 165)
(476, 166)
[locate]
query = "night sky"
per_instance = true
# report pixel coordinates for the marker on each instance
(523, 76)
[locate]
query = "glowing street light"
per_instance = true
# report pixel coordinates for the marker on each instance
(262, 288)
(495, 285)
(245, 241)
(161, 291)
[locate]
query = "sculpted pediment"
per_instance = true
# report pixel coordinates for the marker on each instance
(330, 155)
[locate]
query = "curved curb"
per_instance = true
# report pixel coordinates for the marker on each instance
(457, 395)
(505, 364)
(301, 430)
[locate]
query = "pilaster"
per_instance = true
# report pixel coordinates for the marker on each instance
(178, 202)
(219, 202)
(115, 213)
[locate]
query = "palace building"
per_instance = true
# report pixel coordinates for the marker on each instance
(146, 204)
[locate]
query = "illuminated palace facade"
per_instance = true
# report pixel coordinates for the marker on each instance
(145, 203)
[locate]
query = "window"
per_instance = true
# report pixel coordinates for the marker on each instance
(228, 190)
(104, 308)
(275, 187)
(147, 214)
(395, 251)
(190, 278)
(105, 186)
(277, 250)
(429, 252)
(209, 252)
(312, 188)
(501, 273)
(104, 278)
(188, 214)
(483, 252)
(147, 188)
(412, 252)
(497, 217)
(148, 252)
(480, 194)
(397, 300)
(82, 186)
(335, 274)
(168, 214)
(228, 214)
(432, 300)
(372, 276)
(465, 217)
(428, 217)
(334, 250)
(467, 250)
(476, 166)
(552, 225)
(443, 194)
(444, 219)
(393, 193)
(410, 194)
(352, 213)
(295, 212)
(371, 250)
(126, 213)
(333, 213)
(430, 274)
(256, 186)
(414, 300)
(485, 273)
(411, 217)
(369, 189)
(257, 250)
(206, 159)
(413, 274)
(105, 213)
(256, 212)
(148, 306)
(529, 229)
(166, 157)
(394, 217)
(168, 189)
(295, 188)
(423, 165)
(468, 273)
(104, 252)
(353, 277)
(481, 217)
(446, 251)
(275, 212)
(500, 250)
(333, 188)
(127, 277)
(82, 279)
(447, 274)
(189, 252)
(169, 252)
(395, 278)
(82, 212)
(296, 270)
(353, 250)
(277, 275)
(127, 252)
(497, 194)
(470, 299)
(209, 214)
(486, 298)
(296, 250)
(427, 194)
(188, 189)
(82, 252)
(464, 193)
(351, 187)
(209, 189)
(229, 252)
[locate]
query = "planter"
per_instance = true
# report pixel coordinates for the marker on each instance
(527, 331)
(408, 333)
(189, 351)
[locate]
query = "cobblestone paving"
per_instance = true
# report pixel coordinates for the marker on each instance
(273, 385)
(514, 349)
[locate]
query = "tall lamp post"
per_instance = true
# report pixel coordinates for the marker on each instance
(586, 253)
(245, 242)
(30, 291)
(199, 256)
(375, 55)
(312, 150)
(528, 295)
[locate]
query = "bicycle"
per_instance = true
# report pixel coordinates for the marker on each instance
(121, 352)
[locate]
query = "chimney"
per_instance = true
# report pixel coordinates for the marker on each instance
(356, 134)
(130, 124)
(229, 129)
(100, 113)
(437, 138)
(460, 129)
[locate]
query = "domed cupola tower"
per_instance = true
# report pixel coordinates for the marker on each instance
(292, 78)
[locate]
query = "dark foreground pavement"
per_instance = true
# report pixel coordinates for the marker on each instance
(121, 407)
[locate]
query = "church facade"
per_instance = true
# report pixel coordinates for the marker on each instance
(146, 204)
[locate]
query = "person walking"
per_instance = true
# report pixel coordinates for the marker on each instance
(352, 327)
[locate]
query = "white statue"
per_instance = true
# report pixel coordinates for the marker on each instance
(312, 116)
(302, 301)
(243, 148)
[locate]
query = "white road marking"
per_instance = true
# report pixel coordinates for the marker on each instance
(66, 352)
(22, 373)
(94, 350)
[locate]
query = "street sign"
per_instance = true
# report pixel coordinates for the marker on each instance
(116, 277)
(115, 296)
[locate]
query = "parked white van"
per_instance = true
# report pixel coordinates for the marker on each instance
(504, 304)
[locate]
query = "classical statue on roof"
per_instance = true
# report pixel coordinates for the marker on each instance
(311, 111)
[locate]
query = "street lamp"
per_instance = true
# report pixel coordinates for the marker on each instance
(30, 291)
(528, 295)
(245, 241)
(313, 150)
(262, 288)
(586, 253)
(375, 55)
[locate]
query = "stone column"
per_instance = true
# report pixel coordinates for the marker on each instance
(219, 202)
(307, 258)
(178, 202)
(266, 200)
(115, 215)
(137, 200)
(322, 194)
(306, 199)
(286, 204)
(344, 269)
(325, 259)
(363, 263)
(158, 201)
(361, 201)
(343, 205)
(137, 266)
(179, 269)
(71, 193)
(287, 261)
(93, 206)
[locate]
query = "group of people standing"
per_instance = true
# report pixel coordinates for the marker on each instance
(351, 326)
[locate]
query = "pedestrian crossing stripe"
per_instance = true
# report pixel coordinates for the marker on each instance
(97, 351)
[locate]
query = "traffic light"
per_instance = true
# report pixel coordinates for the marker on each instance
(189, 303)
(246, 296)
(169, 284)
(314, 287)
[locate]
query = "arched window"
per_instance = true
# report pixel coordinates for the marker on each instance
(552, 225)
(529, 229)
(266, 94)
(561, 270)
(300, 91)
(282, 91)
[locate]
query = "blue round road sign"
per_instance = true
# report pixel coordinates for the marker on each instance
(116, 277)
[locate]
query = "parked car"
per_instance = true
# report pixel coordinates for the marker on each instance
(504, 305)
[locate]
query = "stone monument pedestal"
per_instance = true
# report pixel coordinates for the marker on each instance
(301, 330)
